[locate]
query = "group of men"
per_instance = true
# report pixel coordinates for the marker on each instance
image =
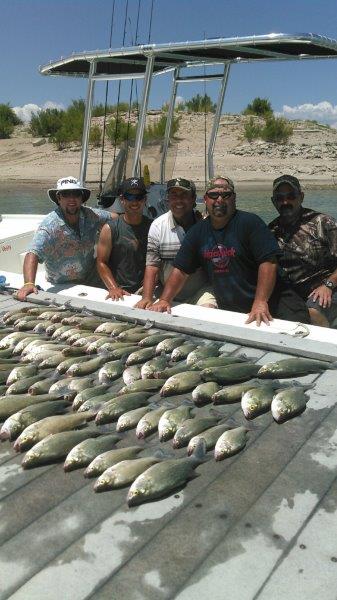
(230, 259)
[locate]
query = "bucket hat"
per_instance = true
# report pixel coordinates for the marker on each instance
(68, 183)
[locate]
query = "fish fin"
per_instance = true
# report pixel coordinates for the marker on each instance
(199, 453)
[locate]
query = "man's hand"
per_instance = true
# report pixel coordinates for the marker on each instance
(117, 293)
(161, 306)
(323, 294)
(259, 313)
(144, 303)
(23, 292)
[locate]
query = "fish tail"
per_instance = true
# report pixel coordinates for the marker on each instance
(199, 453)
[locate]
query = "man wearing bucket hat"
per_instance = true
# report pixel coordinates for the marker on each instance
(65, 240)
(165, 237)
(308, 240)
(121, 248)
(239, 254)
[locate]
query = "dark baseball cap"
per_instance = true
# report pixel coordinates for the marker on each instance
(133, 184)
(290, 179)
(181, 183)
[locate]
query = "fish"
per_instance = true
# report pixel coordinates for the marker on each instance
(129, 419)
(60, 330)
(94, 346)
(164, 477)
(55, 447)
(26, 324)
(123, 473)
(217, 361)
(233, 393)
(110, 371)
(290, 367)
(70, 351)
(25, 319)
(288, 403)
(230, 443)
(17, 422)
(41, 387)
(171, 420)
(21, 372)
(111, 457)
(143, 385)
(68, 362)
(95, 403)
(169, 344)
(53, 360)
(148, 424)
(203, 352)
(150, 367)
(132, 336)
(131, 374)
(22, 385)
(9, 405)
(123, 351)
(256, 401)
(84, 453)
(59, 315)
(140, 355)
(91, 392)
(67, 333)
(42, 326)
(88, 367)
(120, 328)
(90, 323)
(5, 374)
(84, 340)
(72, 319)
(21, 345)
(154, 339)
(210, 437)
(231, 373)
(115, 407)
(169, 371)
(12, 339)
(69, 387)
(49, 425)
(181, 383)
(7, 353)
(107, 327)
(203, 393)
(11, 316)
(81, 335)
(192, 427)
(181, 352)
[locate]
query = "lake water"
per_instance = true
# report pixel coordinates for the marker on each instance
(34, 201)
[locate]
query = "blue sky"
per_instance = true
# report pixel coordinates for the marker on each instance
(36, 31)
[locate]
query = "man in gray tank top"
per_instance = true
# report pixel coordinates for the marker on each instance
(121, 249)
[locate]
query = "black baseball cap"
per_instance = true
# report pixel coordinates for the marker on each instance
(290, 179)
(133, 184)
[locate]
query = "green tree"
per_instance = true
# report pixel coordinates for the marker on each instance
(156, 131)
(47, 122)
(252, 130)
(8, 120)
(260, 107)
(200, 104)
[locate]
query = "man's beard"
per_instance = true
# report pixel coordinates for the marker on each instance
(72, 211)
(220, 210)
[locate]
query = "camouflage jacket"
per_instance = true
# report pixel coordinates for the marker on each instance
(309, 249)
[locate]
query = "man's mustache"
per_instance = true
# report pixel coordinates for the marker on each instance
(285, 208)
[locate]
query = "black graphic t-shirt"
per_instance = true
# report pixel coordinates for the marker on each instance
(230, 256)
(127, 259)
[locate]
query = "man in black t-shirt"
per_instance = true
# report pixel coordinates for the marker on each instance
(121, 249)
(239, 254)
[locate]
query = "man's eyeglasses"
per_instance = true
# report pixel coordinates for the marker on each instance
(70, 194)
(132, 197)
(284, 195)
(215, 195)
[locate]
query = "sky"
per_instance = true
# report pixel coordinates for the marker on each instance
(33, 32)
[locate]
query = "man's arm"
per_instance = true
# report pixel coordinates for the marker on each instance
(29, 273)
(104, 249)
(150, 280)
(265, 284)
(322, 293)
(172, 287)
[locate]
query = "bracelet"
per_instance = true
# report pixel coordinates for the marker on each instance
(29, 283)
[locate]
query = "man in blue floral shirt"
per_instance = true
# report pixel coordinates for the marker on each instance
(65, 240)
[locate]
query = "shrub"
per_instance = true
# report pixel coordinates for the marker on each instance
(121, 132)
(277, 130)
(95, 136)
(47, 122)
(260, 107)
(252, 130)
(200, 104)
(6, 129)
(156, 131)
(8, 114)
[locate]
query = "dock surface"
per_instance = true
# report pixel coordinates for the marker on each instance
(261, 525)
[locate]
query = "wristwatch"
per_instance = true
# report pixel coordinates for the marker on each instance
(328, 283)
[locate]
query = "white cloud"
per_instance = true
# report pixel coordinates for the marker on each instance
(179, 100)
(324, 112)
(26, 112)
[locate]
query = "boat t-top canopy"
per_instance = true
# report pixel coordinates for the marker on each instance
(146, 61)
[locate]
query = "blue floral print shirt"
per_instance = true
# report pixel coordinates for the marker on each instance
(69, 253)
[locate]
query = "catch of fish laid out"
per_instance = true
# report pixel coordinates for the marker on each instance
(72, 385)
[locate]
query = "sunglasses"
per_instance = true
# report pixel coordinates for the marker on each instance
(283, 195)
(132, 197)
(70, 194)
(215, 195)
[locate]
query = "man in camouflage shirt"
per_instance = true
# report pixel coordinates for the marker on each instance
(309, 243)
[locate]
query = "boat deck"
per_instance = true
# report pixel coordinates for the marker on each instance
(260, 525)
